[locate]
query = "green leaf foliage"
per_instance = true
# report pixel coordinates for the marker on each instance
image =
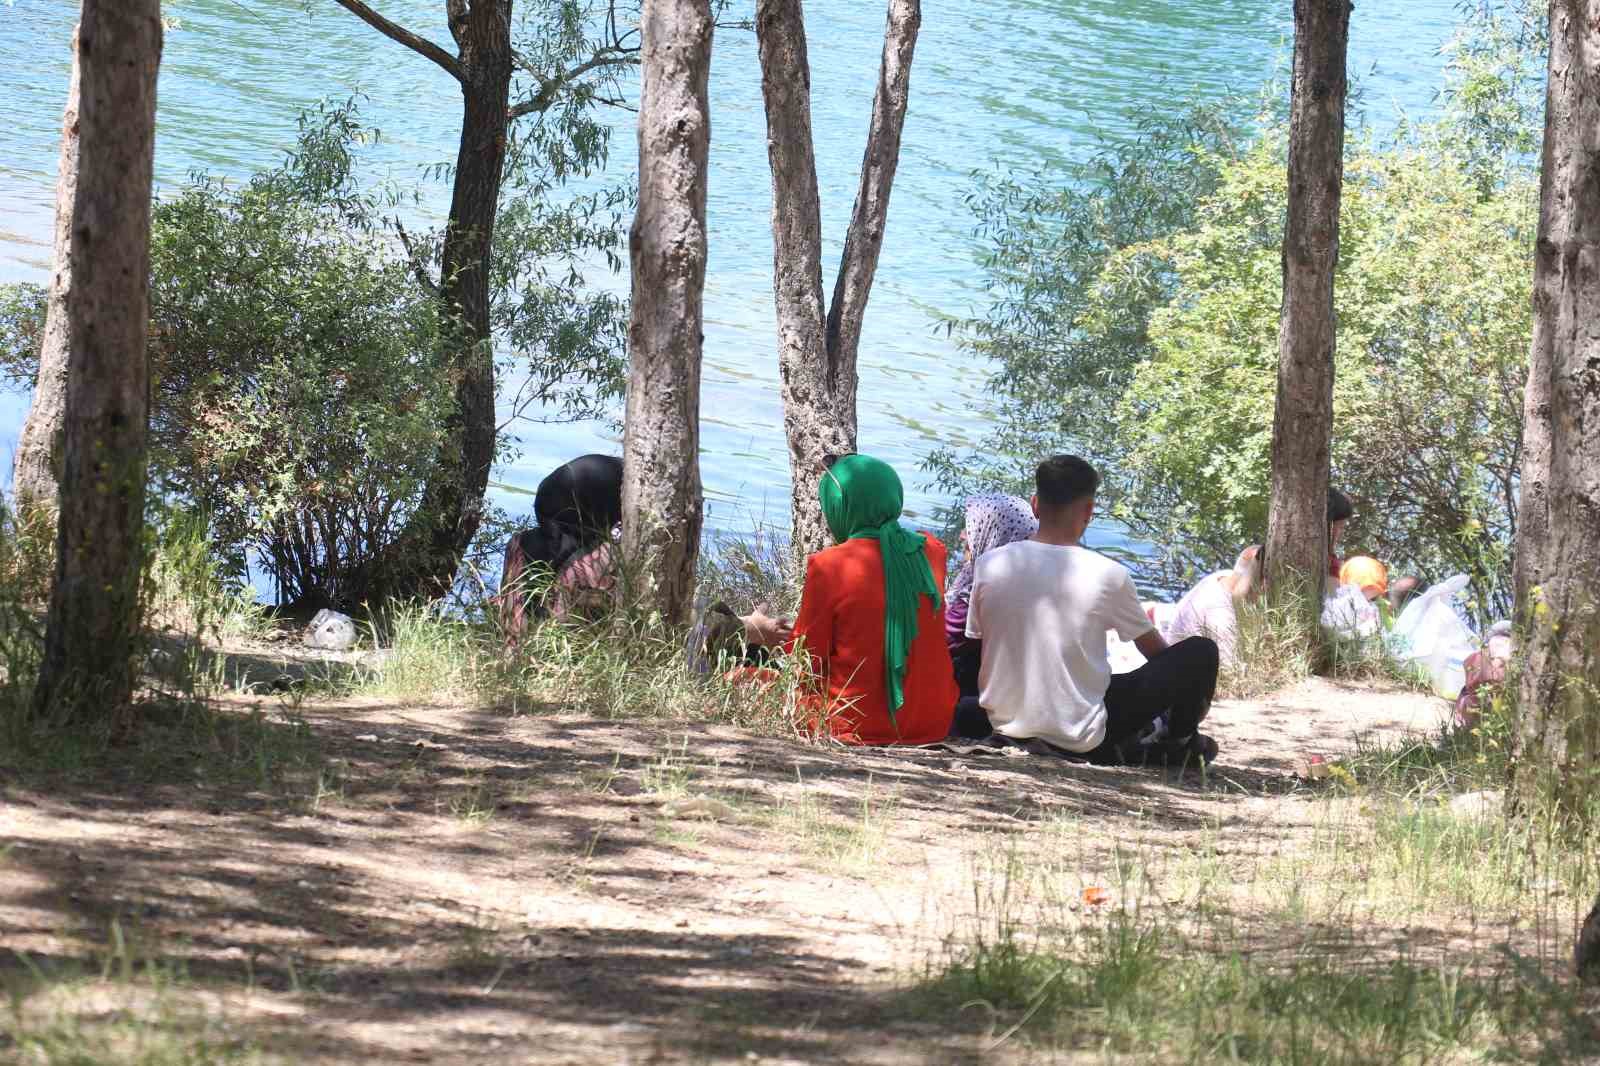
(21, 333)
(299, 399)
(1135, 322)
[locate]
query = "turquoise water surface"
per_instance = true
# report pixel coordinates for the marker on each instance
(1018, 83)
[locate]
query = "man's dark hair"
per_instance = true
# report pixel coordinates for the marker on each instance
(1339, 506)
(1064, 479)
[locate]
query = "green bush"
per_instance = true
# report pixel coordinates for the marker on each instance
(300, 399)
(298, 350)
(1434, 325)
(1137, 320)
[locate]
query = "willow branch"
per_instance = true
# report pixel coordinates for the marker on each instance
(550, 88)
(420, 45)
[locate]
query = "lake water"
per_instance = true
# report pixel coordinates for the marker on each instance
(1017, 83)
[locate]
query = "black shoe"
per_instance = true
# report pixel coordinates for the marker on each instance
(1205, 747)
(1197, 748)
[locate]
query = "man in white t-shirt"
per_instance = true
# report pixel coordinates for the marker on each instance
(1042, 608)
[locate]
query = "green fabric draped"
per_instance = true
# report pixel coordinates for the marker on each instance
(862, 498)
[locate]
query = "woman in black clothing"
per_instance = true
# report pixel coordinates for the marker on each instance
(576, 508)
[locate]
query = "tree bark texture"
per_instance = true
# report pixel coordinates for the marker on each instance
(1302, 425)
(36, 469)
(1557, 736)
(1555, 220)
(817, 346)
(92, 635)
(1586, 952)
(661, 492)
(429, 551)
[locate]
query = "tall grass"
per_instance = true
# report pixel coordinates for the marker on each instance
(619, 666)
(1254, 958)
(186, 602)
(1397, 915)
(1272, 652)
(186, 592)
(133, 1009)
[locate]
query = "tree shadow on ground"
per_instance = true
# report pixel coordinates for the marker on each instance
(439, 883)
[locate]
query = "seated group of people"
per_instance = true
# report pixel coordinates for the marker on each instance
(1016, 653)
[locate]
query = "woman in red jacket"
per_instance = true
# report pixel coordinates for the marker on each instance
(872, 616)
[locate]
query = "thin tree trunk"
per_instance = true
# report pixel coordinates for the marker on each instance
(864, 239)
(817, 348)
(1302, 425)
(428, 553)
(92, 635)
(36, 468)
(1557, 738)
(1555, 220)
(815, 423)
(661, 494)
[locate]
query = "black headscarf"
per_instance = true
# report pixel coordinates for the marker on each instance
(577, 505)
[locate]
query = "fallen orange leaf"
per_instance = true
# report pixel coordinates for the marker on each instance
(1095, 896)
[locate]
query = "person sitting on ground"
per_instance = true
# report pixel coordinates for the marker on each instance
(1366, 574)
(993, 520)
(577, 508)
(1340, 511)
(1402, 591)
(1210, 608)
(1042, 608)
(871, 615)
(1485, 671)
(1372, 578)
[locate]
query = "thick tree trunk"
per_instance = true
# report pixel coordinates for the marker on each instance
(429, 552)
(1586, 952)
(91, 639)
(817, 348)
(661, 496)
(1302, 425)
(36, 469)
(1556, 754)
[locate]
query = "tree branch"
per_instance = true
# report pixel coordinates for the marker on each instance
(864, 239)
(421, 45)
(417, 267)
(545, 98)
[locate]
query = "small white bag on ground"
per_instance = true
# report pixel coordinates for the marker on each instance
(331, 631)
(1430, 633)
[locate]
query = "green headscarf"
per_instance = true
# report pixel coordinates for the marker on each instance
(862, 498)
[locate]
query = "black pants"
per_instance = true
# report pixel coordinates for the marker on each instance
(966, 658)
(1179, 683)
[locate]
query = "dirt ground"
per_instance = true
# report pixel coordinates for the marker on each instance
(460, 886)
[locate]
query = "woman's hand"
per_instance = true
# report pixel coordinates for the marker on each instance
(764, 631)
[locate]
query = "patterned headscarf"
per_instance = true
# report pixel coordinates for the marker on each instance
(993, 521)
(862, 498)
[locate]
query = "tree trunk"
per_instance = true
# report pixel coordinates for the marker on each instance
(1556, 742)
(36, 469)
(428, 553)
(816, 347)
(92, 635)
(661, 497)
(1586, 952)
(1302, 425)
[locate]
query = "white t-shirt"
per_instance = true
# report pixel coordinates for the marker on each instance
(1042, 612)
(1206, 611)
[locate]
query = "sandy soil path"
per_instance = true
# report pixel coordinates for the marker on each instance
(457, 886)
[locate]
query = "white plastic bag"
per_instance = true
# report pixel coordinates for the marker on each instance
(1430, 633)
